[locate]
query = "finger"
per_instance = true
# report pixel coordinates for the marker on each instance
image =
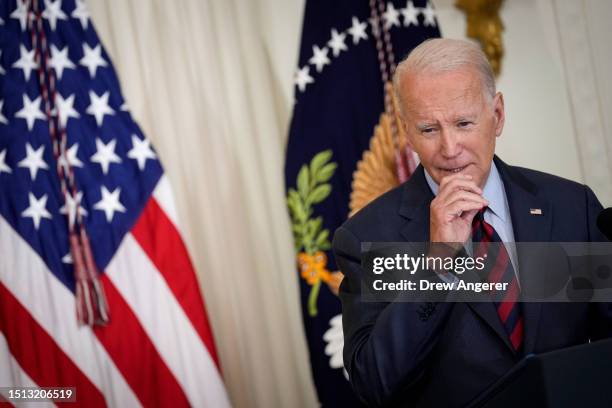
(459, 184)
(447, 179)
(463, 195)
(458, 208)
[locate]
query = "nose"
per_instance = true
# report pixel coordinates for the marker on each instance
(450, 146)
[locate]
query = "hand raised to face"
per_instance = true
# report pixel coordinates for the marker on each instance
(454, 208)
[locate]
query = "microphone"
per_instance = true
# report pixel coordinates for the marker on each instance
(604, 222)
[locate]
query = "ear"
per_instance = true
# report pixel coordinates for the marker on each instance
(499, 112)
(406, 133)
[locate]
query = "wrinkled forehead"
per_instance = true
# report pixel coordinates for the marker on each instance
(458, 92)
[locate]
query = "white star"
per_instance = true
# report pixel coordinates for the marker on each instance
(21, 13)
(319, 57)
(1, 21)
(358, 30)
(410, 14)
(53, 12)
(81, 13)
(303, 78)
(26, 61)
(109, 203)
(65, 108)
(70, 159)
(124, 107)
(2, 117)
(3, 166)
(391, 16)
(70, 207)
(92, 58)
(59, 60)
(37, 209)
(430, 15)
(34, 160)
(141, 151)
(105, 154)
(67, 259)
(337, 42)
(30, 111)
(99, 106)
(2, 71)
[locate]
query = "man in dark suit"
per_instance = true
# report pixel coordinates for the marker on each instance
(445, 354)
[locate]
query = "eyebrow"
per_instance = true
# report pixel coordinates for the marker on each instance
(469, 117)
(425, 125)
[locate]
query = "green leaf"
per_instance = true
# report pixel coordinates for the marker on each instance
(303, 181)
(319, 194)
(300, 214)
(309, 233)
(298, 229)
(293, 194)
(322, 238)
(315, 224)
(319, 160)
(293, 200)
(291, 204)
(325, 173)
(324, 246)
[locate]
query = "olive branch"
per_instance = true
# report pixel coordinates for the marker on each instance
(308, 232)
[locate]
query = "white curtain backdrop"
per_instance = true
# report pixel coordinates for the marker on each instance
(587, 62)
(198, 78)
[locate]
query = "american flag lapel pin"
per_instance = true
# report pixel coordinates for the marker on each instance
(535, 211)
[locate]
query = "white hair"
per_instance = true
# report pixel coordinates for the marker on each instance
(439, 55)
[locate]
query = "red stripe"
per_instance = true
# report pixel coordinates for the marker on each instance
(162, 243)
(482, 246)
(505, 307)
(40, 356)
(135, 355)
(501, 265)
(516, 338)
(475, 224)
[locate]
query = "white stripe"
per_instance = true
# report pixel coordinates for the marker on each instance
(166, 324)
(164, 197)
(12, 375)
(52, 305)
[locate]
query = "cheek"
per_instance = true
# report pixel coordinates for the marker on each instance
(480, 149)
(427, 150)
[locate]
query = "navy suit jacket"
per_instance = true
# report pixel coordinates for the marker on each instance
(446, 354)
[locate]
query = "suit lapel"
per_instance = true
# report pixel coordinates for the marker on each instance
(414, 207)
(529, 225)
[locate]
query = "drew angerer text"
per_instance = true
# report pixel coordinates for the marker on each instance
(427, 285)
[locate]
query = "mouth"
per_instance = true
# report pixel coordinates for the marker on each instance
(453, 169)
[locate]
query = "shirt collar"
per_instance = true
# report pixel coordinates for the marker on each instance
(493, 192)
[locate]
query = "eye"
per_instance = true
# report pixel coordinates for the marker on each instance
(464, 123)
(428, 130)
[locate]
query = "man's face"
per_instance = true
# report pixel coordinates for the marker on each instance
(451, 124)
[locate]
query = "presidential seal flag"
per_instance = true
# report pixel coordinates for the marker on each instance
(345, 147)
(97, 290)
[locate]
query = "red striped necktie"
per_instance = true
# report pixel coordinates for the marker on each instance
(499, 269)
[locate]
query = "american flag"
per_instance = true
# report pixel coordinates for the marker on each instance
(97, 290)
